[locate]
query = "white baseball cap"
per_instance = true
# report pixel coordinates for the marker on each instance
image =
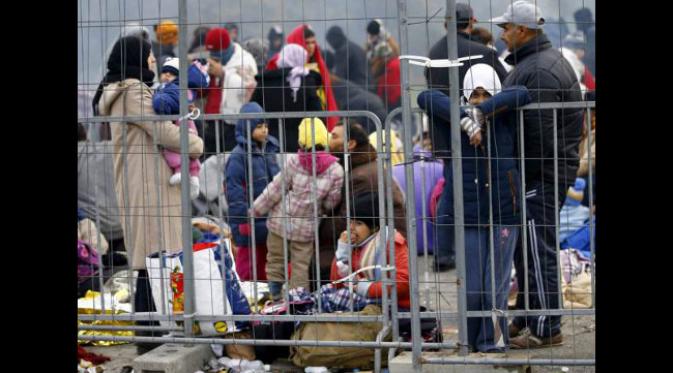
(521, 13)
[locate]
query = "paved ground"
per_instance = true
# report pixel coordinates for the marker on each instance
(437, 294)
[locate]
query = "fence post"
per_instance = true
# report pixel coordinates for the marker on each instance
(186, 201)
(410, 202)
(457, 168)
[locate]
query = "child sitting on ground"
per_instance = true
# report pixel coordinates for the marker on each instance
(365, 249)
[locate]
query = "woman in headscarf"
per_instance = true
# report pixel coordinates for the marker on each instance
(150, 209)
(304, 36)
(288, 87)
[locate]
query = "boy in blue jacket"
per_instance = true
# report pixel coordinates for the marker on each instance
(166, 101)
(264, 149)
(490, 178)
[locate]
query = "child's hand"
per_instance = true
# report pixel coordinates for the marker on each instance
(342, 269)
(475, 140)
(344, 237)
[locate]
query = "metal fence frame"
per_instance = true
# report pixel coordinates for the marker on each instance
(185, 335)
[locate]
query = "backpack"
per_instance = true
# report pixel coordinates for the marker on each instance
(88, 263)
(339, 357)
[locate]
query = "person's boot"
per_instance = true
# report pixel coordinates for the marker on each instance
(145, 347)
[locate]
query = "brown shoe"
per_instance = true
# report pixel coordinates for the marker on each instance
(528, 340)
(514, 330)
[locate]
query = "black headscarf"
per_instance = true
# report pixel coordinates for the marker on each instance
(128, 59)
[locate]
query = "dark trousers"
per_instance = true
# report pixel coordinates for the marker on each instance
(543, 285)
(144, 303)
(444, 250)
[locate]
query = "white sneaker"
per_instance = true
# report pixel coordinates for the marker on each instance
(193, 187)
(175, 179)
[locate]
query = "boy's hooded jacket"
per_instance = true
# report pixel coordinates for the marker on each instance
(264, 168)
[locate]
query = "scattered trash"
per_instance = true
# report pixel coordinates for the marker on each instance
(228, 365)
(121, 280)
(316, 370)
(90, 357)
(92, 304)
(218, 350)
(86, 366)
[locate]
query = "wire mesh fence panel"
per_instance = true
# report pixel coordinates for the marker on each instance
(376, 178)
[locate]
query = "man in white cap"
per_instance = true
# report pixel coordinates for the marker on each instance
(549, 78)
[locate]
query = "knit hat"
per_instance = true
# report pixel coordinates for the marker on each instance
(217, 39)
(305, 133)
(481, 75)
(366, 209)
(167, 33)
(171, 65)
(219, 43)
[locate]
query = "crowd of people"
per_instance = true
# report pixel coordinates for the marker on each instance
(294, 190)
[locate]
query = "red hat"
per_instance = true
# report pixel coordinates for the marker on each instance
(217, 39)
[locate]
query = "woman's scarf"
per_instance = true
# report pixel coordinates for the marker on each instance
(128, 59)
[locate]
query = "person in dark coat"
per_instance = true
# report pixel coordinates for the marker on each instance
(275, 38)
(362, 178)
(351, 96)
(438, 78)
(352, 61)
(291, 87)
(585, 22)
(549, 79)
(198, 40)
(264, 149)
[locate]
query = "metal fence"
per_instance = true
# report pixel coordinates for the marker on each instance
(444, 295)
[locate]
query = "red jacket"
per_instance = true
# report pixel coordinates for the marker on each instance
(588, 80)
(388, 84)
(297, 37)
(402, 277)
